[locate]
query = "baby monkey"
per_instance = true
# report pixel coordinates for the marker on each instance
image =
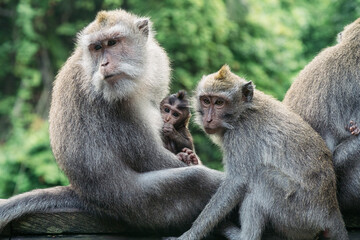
(175, 112)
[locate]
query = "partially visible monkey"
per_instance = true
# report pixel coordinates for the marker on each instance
(277, 167)
(175, 112)
(105, 134)
(326, 94)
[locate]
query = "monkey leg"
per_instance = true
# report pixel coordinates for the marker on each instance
(229, 194)
(230, 230)
(252, 218)
(40, 200)
(173, 197)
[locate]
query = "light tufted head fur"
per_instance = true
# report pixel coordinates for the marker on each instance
(222, 82)
(236, 91)
(132, 59)
(108, 23)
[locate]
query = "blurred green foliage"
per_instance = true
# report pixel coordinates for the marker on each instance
(267, 41)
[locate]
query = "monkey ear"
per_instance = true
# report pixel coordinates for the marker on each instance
(143, 26)
(247, 91)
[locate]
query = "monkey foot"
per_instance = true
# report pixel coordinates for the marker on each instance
(353, 128)
(188, 156)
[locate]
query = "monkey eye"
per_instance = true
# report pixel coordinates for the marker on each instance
(167, 110)
(175, 114)
(219, 102)
(111, 42)
(97, 47)
(206, 101)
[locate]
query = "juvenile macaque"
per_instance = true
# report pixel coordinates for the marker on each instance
(277, 167)
(175, 112)
(326, 94)
(105, 134)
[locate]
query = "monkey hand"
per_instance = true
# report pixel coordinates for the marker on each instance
(189, 157)
(168, 129)
(353, 128)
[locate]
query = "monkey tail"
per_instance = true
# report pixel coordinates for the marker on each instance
(40, 200)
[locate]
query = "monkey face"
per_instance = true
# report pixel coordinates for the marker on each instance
(221, 98)
(109, 54)
(114, 55)
(213, 107)
(173, 115)
(119, 64)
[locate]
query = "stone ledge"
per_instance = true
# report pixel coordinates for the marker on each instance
(76, 224)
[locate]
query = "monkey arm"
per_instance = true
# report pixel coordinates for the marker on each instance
(230, 193)
(164, 160)
(182, 138)
(347, 150)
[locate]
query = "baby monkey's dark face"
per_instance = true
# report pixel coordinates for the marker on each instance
(213, 108)
(173, 114)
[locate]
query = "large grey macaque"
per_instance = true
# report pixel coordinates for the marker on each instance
(277, 167)
(326, 94)
(105, 134)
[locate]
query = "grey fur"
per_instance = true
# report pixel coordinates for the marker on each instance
(326, 94)
(277, 168)
(109, 145)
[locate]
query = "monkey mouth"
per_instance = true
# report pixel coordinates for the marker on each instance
(113, 78)
(210, 130)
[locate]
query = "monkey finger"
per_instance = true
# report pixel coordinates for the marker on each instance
(180, 156)
(194, 159)
(168, 128)
(167, 131)
(184, 158)
(187, 150)
(355, 132)
(353, 128)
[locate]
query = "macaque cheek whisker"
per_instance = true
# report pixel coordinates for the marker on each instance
(227, 125)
